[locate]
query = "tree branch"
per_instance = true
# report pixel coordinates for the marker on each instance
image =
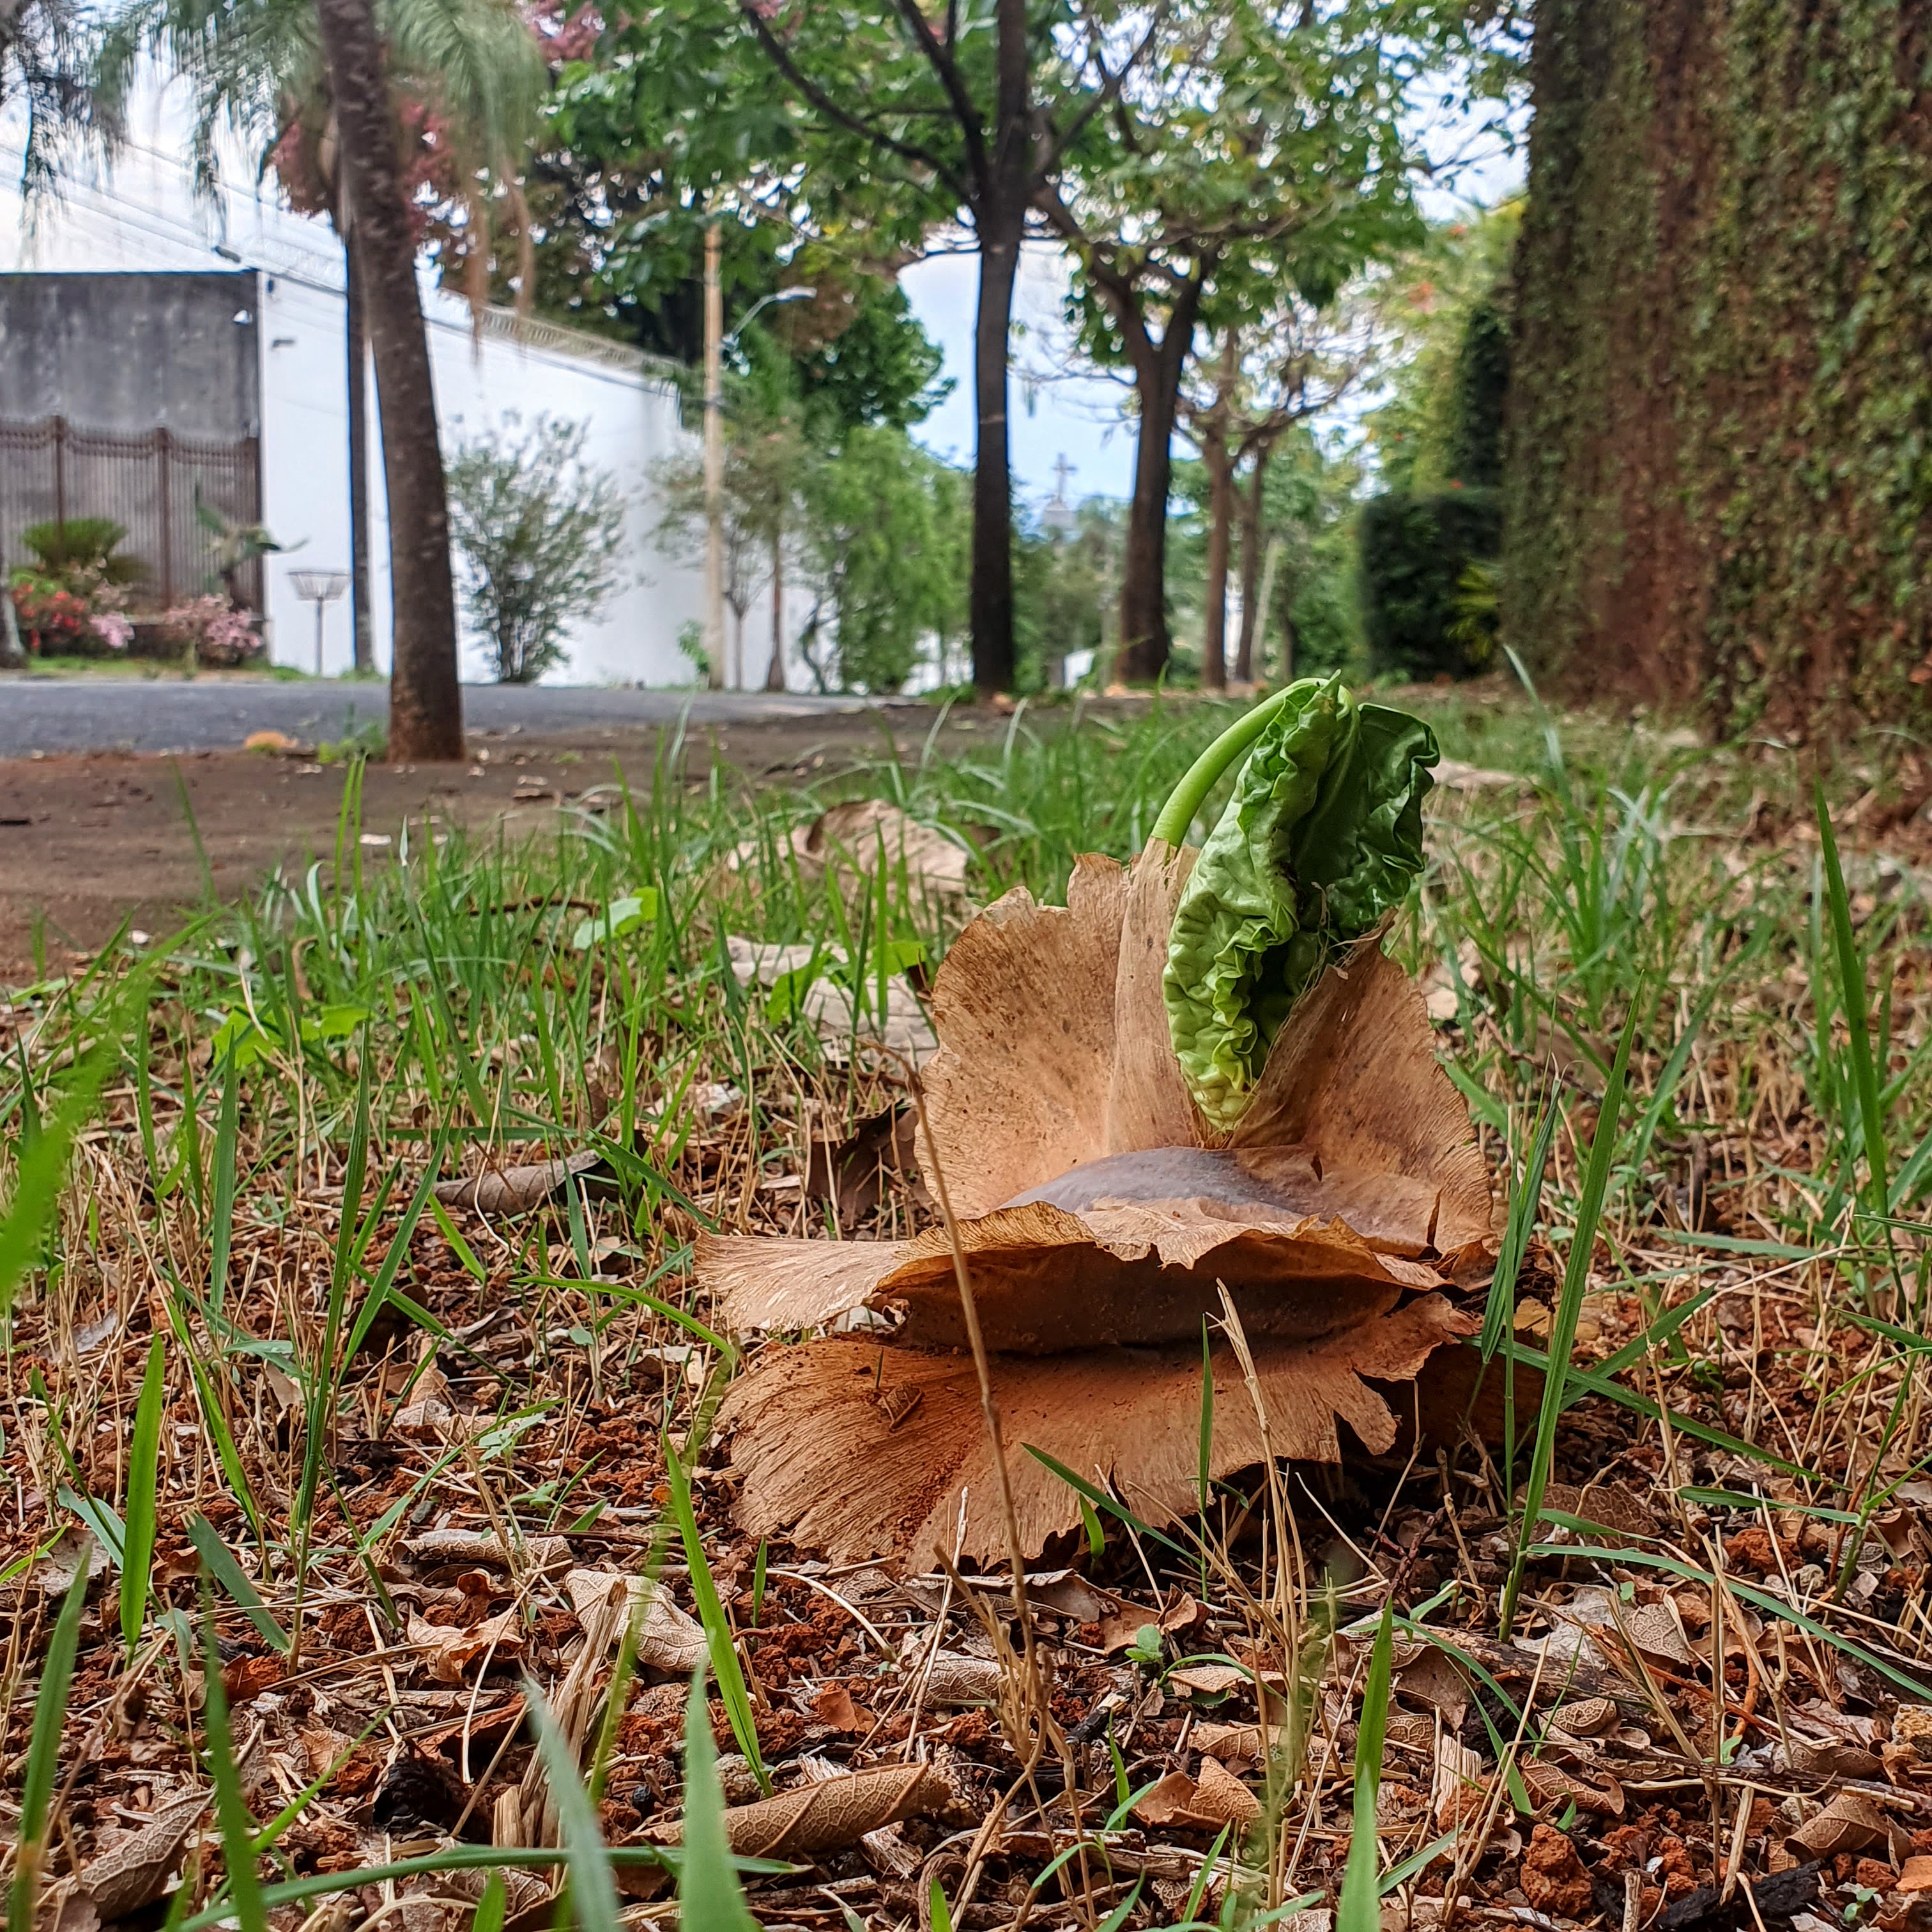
(1109, 89)
(852, 123)
(971, 124)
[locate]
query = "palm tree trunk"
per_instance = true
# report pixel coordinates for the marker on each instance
(425, 696)
(362, 610)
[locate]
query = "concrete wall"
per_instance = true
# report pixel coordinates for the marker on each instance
(132, 354)
(144, 217)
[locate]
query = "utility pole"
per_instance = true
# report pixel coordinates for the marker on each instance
(714, 462)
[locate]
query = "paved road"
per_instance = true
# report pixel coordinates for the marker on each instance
(141, 715)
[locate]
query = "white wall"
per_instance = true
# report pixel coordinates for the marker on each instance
(144, 215)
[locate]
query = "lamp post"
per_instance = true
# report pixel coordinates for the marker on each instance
(320, 588)
(714, 446)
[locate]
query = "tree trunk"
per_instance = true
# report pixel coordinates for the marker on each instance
(1220, 520)
(990, 600)
(774, 670)
(1145, 643)
(1215, 455)
(425, 695)
(1251, 565)
(362, 606)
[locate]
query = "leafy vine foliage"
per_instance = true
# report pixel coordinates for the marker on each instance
(1720, 443)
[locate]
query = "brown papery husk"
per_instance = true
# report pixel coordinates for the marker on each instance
(1100, 1216)
(864, 1450)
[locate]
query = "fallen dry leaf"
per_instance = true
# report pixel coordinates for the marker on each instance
(57, 1565)
(1588, 1718)
(1551, 1784)
(1210, 1680)
(1850, 1823)
(515, 1190)
(1834, 1759)
(1234, 1744)
(1437, 1681)
(828, 1817)
(1411, 1729)
(833, 1706)
(450, 1650)
(850, 837)
(1205, 1803)
(855, 835)
(854, 1175)
(669, 1641)
(905, 1033)
(1452, 775)
(886, 1850)
(1460, 1789)
(962, 1680)
(1219, 1794)
(133, 1872)
(1169, 1802)
(484, 1545)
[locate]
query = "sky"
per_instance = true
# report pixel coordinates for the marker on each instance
(1055, 414)
(1078, 418)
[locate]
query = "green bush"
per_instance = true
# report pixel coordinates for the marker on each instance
(1413, 551)
(82, 543)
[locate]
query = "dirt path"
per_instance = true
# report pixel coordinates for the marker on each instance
(88, 839)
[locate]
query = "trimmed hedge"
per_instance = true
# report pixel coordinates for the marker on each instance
(1412, 550)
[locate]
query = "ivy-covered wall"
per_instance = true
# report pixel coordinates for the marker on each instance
(1719, 469)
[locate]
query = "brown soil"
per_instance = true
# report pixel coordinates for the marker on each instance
(92, 839)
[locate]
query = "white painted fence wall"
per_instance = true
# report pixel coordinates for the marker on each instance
(144, 215)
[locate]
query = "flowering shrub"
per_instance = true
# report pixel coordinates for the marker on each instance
(216, 633)
(52, 619)
(72, 609)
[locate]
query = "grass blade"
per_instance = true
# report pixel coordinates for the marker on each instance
(1852, 996)
(144, 1475)
(1099, 1498)
(322, 1375)
(492, 1906)
(1204, 1466)
(724, 1666)
(593, 1892)
(231, 1811)
(1569, 1306)
(37, 1788)
(229, 1574)
(1517, 1230)
(1359, 1908)
(39, 1174)
(709, 1897)
(221, 1207)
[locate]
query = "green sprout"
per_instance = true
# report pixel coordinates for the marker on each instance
(1319, 843)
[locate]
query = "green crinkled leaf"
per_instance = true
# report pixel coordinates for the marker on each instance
(1321, 839)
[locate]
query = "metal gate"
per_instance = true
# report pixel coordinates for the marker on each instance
(51, 470)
